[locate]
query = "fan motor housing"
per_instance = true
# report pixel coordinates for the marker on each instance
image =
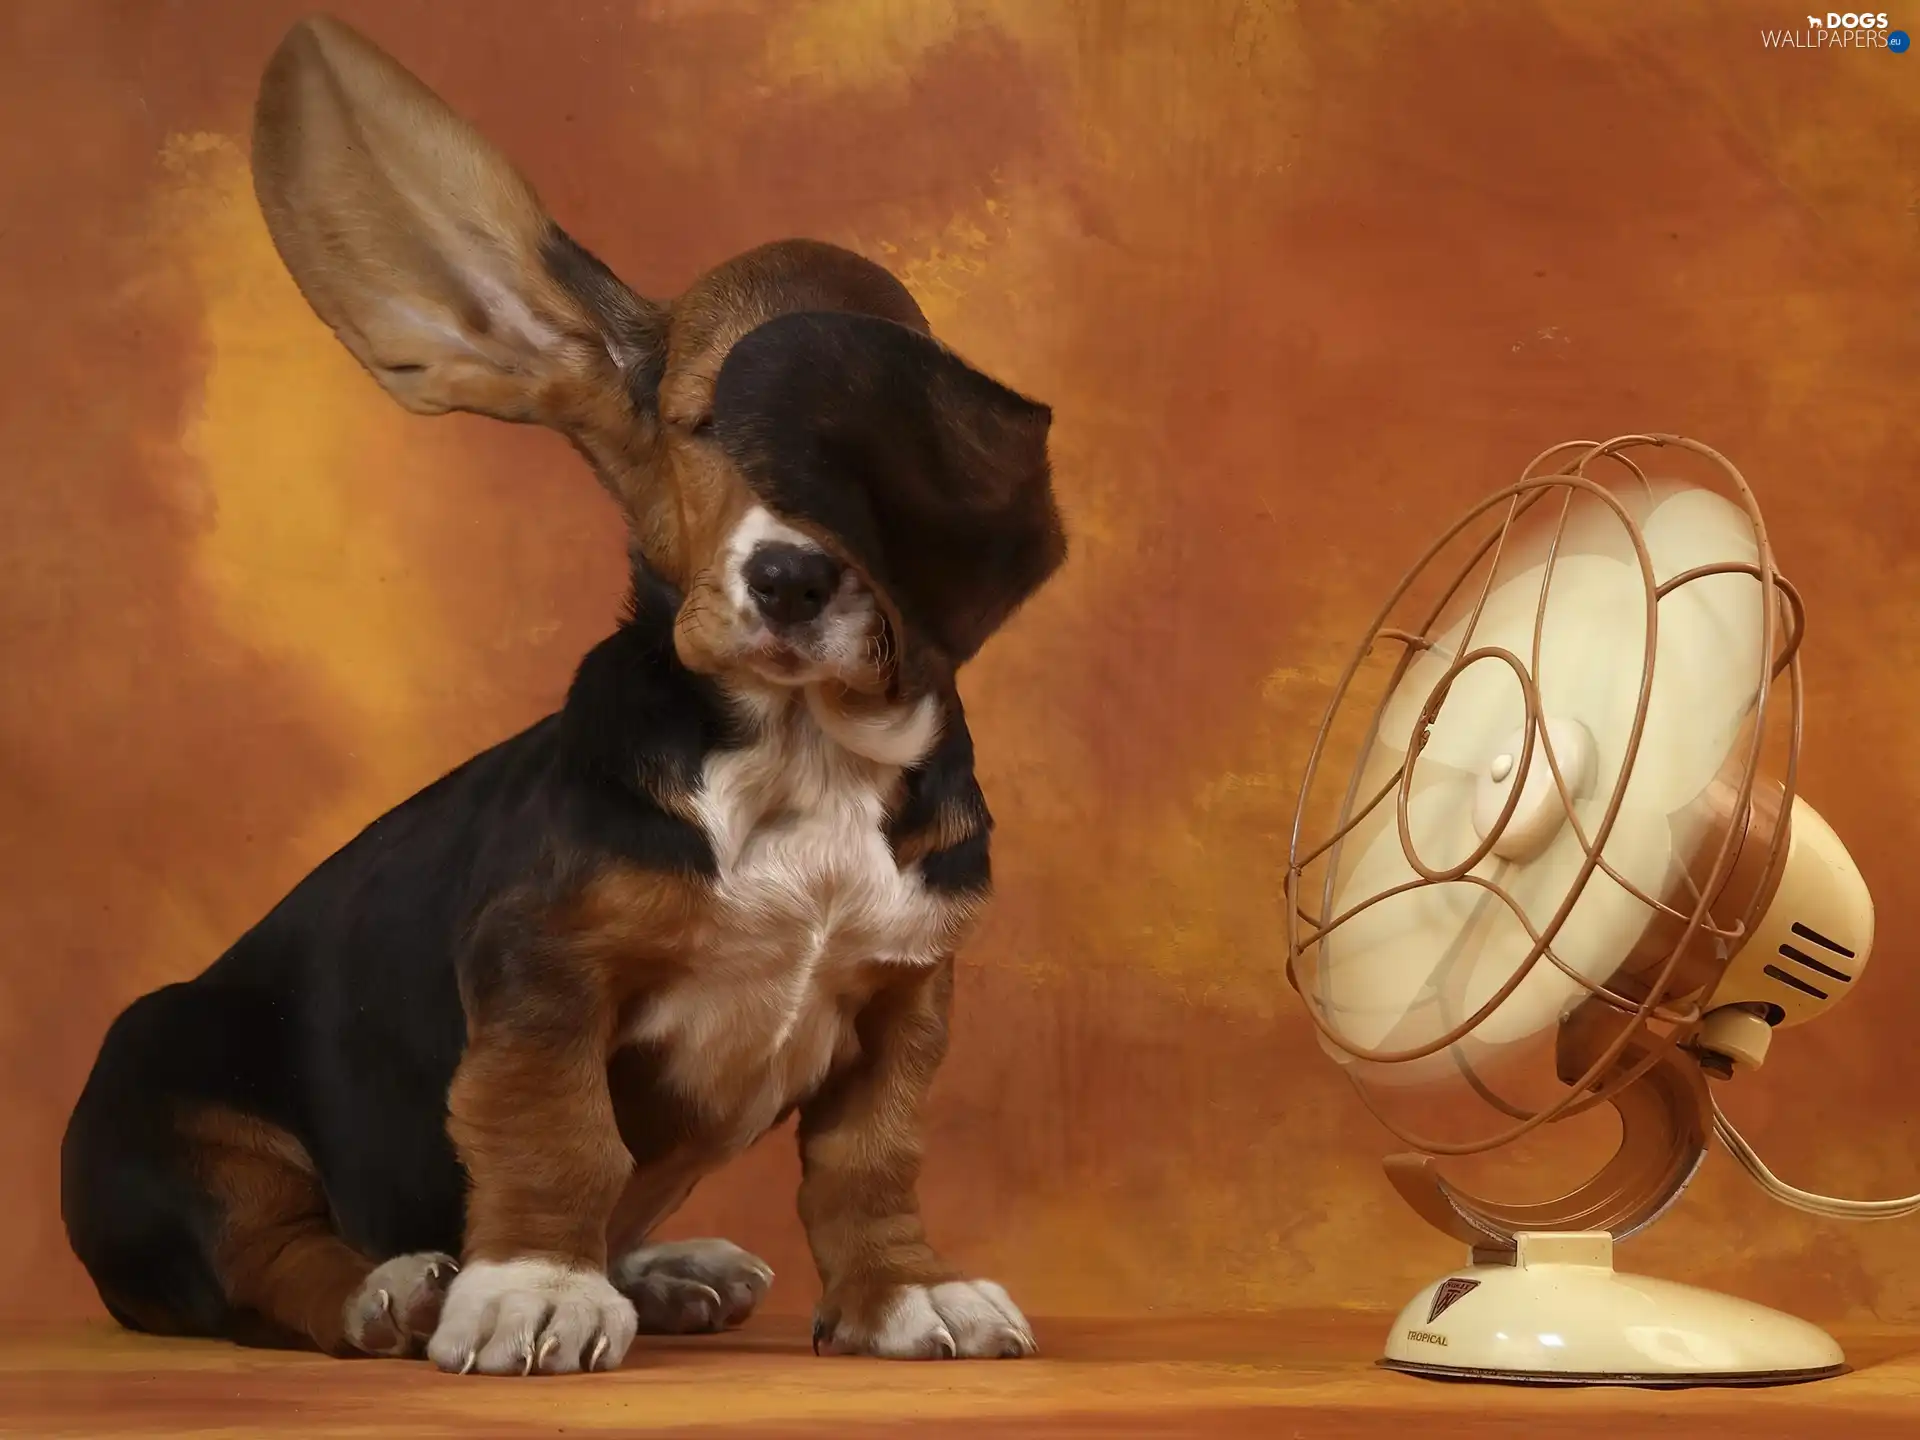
(1811, 944)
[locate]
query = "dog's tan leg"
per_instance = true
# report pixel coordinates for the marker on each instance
(532, 1119)
(885, 1290)
(279, 1258)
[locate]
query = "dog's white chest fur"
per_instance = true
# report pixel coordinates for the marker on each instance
(808, 899)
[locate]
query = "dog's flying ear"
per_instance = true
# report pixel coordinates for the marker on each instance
(924, 472)
(428, 254)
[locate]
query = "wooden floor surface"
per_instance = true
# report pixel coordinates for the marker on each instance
(1283, 1376)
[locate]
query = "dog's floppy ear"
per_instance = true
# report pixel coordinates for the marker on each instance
(428, 254)
(930, 476)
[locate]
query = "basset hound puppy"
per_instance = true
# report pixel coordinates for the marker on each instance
(439, 1098)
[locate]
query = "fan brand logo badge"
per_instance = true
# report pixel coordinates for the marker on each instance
(1450, 1293)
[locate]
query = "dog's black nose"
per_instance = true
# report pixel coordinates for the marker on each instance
(791, 583)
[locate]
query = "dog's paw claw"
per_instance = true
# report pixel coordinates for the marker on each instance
(396, 1308)
(691, 1287)
(522, 1317)
(956, 1320)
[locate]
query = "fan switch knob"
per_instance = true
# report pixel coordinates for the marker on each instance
(1738, 1032)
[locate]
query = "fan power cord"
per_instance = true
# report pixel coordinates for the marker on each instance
(1826, 1206)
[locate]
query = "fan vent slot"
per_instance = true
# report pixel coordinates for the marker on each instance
(1793, 982)
(1819, 967)
(1806, 932)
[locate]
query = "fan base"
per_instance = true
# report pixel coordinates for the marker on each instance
(1558, 1313)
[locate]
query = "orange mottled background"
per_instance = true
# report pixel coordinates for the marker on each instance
(1300, 280)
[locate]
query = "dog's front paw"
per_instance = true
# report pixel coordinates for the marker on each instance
(956, 1320)
(522, 1317)
(397, 1306)
(691, 1287)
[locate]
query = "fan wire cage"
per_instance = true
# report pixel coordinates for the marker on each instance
(1662, 995)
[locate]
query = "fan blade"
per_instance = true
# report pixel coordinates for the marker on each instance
(1710, 660)
(1412, 967)
(1372, 972)
(1598, 933)
(1507, 618)
(1594, 626)
(1592, 649)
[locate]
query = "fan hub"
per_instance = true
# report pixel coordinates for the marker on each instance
(1540, 810)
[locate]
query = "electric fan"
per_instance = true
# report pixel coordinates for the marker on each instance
(1568, 868)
